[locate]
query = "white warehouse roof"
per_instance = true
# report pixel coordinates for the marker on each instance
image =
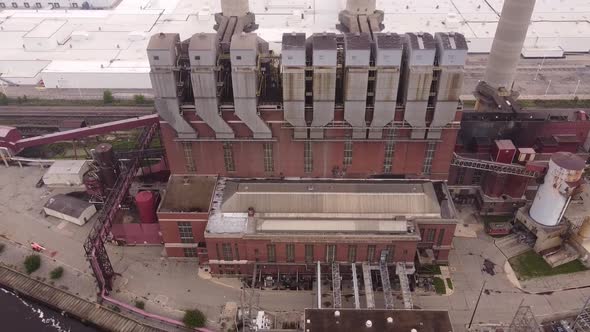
(121, 35)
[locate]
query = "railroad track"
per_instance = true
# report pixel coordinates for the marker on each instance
(73, 111)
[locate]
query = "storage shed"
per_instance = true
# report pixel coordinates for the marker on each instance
(69, 208)
(66, 173)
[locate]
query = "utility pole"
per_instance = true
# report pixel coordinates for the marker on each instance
(476, 304)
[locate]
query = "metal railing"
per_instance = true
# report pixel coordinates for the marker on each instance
(492, 166)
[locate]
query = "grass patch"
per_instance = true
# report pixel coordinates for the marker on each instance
(139, 304)
(439, 285)
(28, 101)
(194, 318)
(32, 263)
(530, 265)
(449, 283)
(428, 269)
(56, 273)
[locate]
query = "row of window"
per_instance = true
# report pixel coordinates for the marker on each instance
(230, 166)
(228, 157)
(53, 5)
(226, 252)
(428, 235)
(475, 179)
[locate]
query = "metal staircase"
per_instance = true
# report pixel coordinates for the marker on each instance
(387, 294)
(370, 297)
(336, 292)
(400, 270)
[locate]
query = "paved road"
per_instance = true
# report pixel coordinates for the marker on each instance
(170, 286)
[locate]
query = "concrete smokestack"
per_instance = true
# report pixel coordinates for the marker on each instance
(508, 41)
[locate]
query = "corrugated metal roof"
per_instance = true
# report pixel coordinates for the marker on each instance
(67, 205)
(331, 198)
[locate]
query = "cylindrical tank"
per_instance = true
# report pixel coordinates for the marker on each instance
(562, 178)
(146, 206)
(105, 158)
(508, 41)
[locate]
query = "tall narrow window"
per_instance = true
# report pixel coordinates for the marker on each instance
(371, 253)
(389, 151)
(190, 252)
(441, 236)
(271, 250)
(430, 234)
(309, 253)
(228, 157)
(460, 175)
(290, 253)
(476, 179)
(227, 252)
(268, 160)
(347, 161)
(330, 253)
(185, 229)
(307, 158)
(189, 162)
(390, 253)
(352, 253)
(237, 252)
(428, 155)
(217, 251)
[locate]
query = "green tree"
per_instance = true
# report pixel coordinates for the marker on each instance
(139, 304)
(139, 99)
(3, 99)
(194, 318)
(32, 263)
(107, 97)
(56, 273)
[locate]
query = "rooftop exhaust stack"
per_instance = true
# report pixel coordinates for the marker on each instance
(508, 42)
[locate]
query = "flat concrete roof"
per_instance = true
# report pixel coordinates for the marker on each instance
(113, 34)
(376, 207)
(188, 193)
(356, 320)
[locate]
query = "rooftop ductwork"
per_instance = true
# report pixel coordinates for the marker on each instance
(244, 55)
(324, 61)
(293, 77)
(388, 58)
(203, 52)
(163, 57)
(357, 55)
(451, 53)
(418, 71)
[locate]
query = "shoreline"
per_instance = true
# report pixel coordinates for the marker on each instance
(88, 313)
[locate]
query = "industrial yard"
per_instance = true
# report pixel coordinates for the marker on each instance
(264, 166)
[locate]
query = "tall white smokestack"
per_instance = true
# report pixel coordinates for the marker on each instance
(508, 42)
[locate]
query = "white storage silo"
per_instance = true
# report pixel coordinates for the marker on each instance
(562, 178)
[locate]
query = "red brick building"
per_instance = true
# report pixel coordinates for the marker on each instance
(288, 226)
(335, 155)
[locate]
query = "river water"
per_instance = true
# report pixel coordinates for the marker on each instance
(20, 315)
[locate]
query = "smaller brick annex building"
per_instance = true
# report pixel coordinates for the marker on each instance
(287, 225)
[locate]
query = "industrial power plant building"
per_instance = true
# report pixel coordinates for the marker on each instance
(362, 104)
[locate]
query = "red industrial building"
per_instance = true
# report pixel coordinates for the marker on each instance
(285, 225)
(334, 156)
